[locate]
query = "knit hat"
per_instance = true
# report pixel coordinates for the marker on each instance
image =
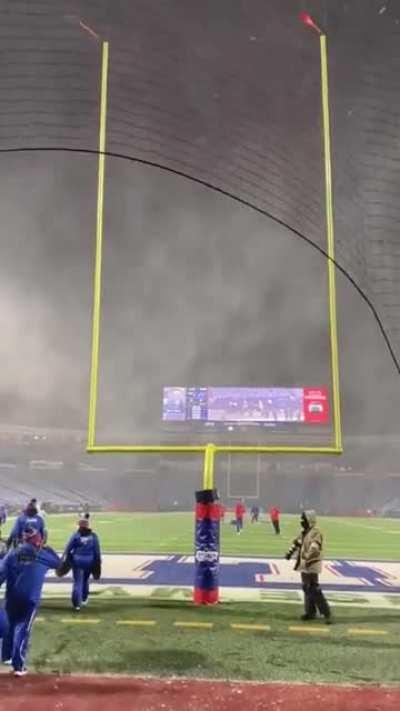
(83, 522)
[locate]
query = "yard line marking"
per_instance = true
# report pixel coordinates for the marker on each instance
(365, 630)
(137, 623)
(83, 621)
(40, 619)
(261, 628)
(310, 630)
(204, 625)
(381, 529)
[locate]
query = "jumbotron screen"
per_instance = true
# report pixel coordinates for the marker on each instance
(246, 405)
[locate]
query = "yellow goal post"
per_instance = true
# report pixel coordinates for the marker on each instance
(210, 450)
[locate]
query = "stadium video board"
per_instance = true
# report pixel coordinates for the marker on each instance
(246, 405)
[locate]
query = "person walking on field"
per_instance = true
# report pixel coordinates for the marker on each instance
(83, 555)
(240, 511)
(275, 515)
(309, 548)
(23, 569)
(255, 512)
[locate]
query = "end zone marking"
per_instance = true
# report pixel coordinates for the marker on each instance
(258, 628)
(359, 630)
(83, 621)
(137, 623)
(204, 625)
(310, 630)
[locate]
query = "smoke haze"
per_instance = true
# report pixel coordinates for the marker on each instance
(197, 290)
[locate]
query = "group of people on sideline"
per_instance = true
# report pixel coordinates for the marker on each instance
(24, 562)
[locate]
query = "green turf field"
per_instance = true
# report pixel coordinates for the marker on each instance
(349, 651)
(359, 538)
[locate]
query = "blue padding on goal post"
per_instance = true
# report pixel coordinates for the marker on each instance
(206, 555)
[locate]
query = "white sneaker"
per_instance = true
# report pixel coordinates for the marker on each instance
(84, 603)
(77, 609)
(7, 662)
(20, 672)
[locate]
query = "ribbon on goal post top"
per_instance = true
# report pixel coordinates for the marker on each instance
(207, 547)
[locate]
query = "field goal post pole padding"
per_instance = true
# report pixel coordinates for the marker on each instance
(207, 536)
(209, 451)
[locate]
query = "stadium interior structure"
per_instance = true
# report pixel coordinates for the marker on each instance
(51, 465)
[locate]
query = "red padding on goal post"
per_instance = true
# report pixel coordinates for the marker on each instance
(205, 597)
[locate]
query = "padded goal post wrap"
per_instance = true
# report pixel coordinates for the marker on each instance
(206, 557)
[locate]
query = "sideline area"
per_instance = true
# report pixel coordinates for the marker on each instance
(346, 582)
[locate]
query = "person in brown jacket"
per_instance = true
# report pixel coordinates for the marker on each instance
(309, 548)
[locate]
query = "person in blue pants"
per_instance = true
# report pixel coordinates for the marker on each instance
(83, 555)
(23, 569)
(29, 518)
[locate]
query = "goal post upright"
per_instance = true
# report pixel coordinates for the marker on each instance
(330, 237)
(98, 260)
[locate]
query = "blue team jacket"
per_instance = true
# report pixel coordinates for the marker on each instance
(24, 570)
(83, 551)
(20, 524)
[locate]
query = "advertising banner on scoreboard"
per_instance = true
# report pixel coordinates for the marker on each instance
(316, 405)
(246, 405)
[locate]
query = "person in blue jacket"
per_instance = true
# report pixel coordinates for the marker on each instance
(83, 555)
(29, 517)
(23, 569)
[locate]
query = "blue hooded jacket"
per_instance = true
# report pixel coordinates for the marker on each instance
(83, 550)
(24, 570)
(22, 522)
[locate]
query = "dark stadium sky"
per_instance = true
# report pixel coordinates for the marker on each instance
(197, 290)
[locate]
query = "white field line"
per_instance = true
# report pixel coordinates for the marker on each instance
(369, 528)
